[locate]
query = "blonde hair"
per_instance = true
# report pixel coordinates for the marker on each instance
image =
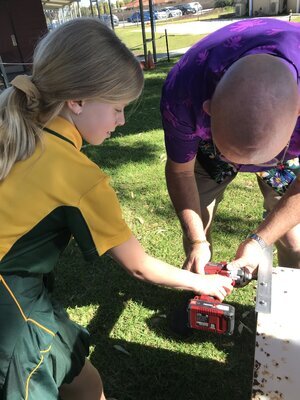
(81, 59)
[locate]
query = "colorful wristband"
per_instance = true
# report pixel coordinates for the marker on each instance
(258, 239)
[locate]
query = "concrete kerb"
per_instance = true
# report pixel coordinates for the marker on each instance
(164, 56)
(172, 53)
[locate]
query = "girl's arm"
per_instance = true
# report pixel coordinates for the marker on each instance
(140, 265)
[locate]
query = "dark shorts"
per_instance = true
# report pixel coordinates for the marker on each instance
(40, 347)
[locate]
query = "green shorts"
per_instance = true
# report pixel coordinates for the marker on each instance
(40, 347)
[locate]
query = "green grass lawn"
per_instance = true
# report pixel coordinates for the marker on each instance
(131, 34)
(132, 37)
(295, 18)
(132, 346)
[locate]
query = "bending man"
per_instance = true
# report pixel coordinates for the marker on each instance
(230, 105)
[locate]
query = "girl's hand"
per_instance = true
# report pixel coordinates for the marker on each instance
(214, 285)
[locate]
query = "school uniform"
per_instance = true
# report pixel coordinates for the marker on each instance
(55, 194)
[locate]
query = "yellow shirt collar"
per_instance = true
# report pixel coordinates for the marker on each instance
(66, 129)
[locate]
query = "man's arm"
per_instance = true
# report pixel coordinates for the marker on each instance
(182, 187)
(284, 217)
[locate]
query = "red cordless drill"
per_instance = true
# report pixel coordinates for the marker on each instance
(208, 313)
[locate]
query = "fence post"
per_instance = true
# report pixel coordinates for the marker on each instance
(3, 74)
(143, 29)
(167, 44)
(152, 21)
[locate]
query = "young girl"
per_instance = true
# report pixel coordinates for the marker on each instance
(83, 77)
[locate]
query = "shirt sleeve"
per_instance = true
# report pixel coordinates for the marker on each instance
(180, 129)
(102, 215)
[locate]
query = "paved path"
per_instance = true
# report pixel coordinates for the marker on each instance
(198, 27)
(193, 28)
(187, 28)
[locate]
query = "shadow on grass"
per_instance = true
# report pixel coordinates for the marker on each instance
(152, 372)
(144, 114)
(155, 373)
(225, 223)
(237, 226)
(112, 154)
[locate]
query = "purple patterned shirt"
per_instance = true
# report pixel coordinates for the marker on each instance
(194, 78)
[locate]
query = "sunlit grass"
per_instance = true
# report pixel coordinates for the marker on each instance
(131, 34)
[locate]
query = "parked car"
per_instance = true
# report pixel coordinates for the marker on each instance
(136, 17)
(197, 6)
(107, 20)
(157, 14)
(172, 12)
(160, 14)
(186, 9)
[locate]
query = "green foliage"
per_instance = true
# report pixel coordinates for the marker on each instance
(86, 11)
(223, 3)
(119, 4)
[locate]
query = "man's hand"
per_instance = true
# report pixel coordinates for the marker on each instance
(198, 256)
(218, 286)
(247, 256)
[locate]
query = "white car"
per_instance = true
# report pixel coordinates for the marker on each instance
(172, 12)
(107, 19)
(160, 14)
(196, 6)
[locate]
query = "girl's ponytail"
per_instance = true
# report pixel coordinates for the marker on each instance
(19, 126)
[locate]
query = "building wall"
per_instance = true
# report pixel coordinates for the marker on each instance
(292, 5)
(266, 7)
(22, 23)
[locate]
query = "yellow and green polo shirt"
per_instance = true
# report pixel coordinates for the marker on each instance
(53, 195)
(56, 193)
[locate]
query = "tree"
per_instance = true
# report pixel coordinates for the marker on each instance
(85, 11)
(223, 3)
(119, 4)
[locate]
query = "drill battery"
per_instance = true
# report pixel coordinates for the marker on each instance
(208, 313)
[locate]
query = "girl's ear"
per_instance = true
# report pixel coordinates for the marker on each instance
(75, 106)
(206, 106)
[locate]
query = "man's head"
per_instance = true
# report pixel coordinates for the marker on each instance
(254, 109)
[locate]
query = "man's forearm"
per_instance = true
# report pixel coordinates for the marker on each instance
(284, 217)
(184, 195)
